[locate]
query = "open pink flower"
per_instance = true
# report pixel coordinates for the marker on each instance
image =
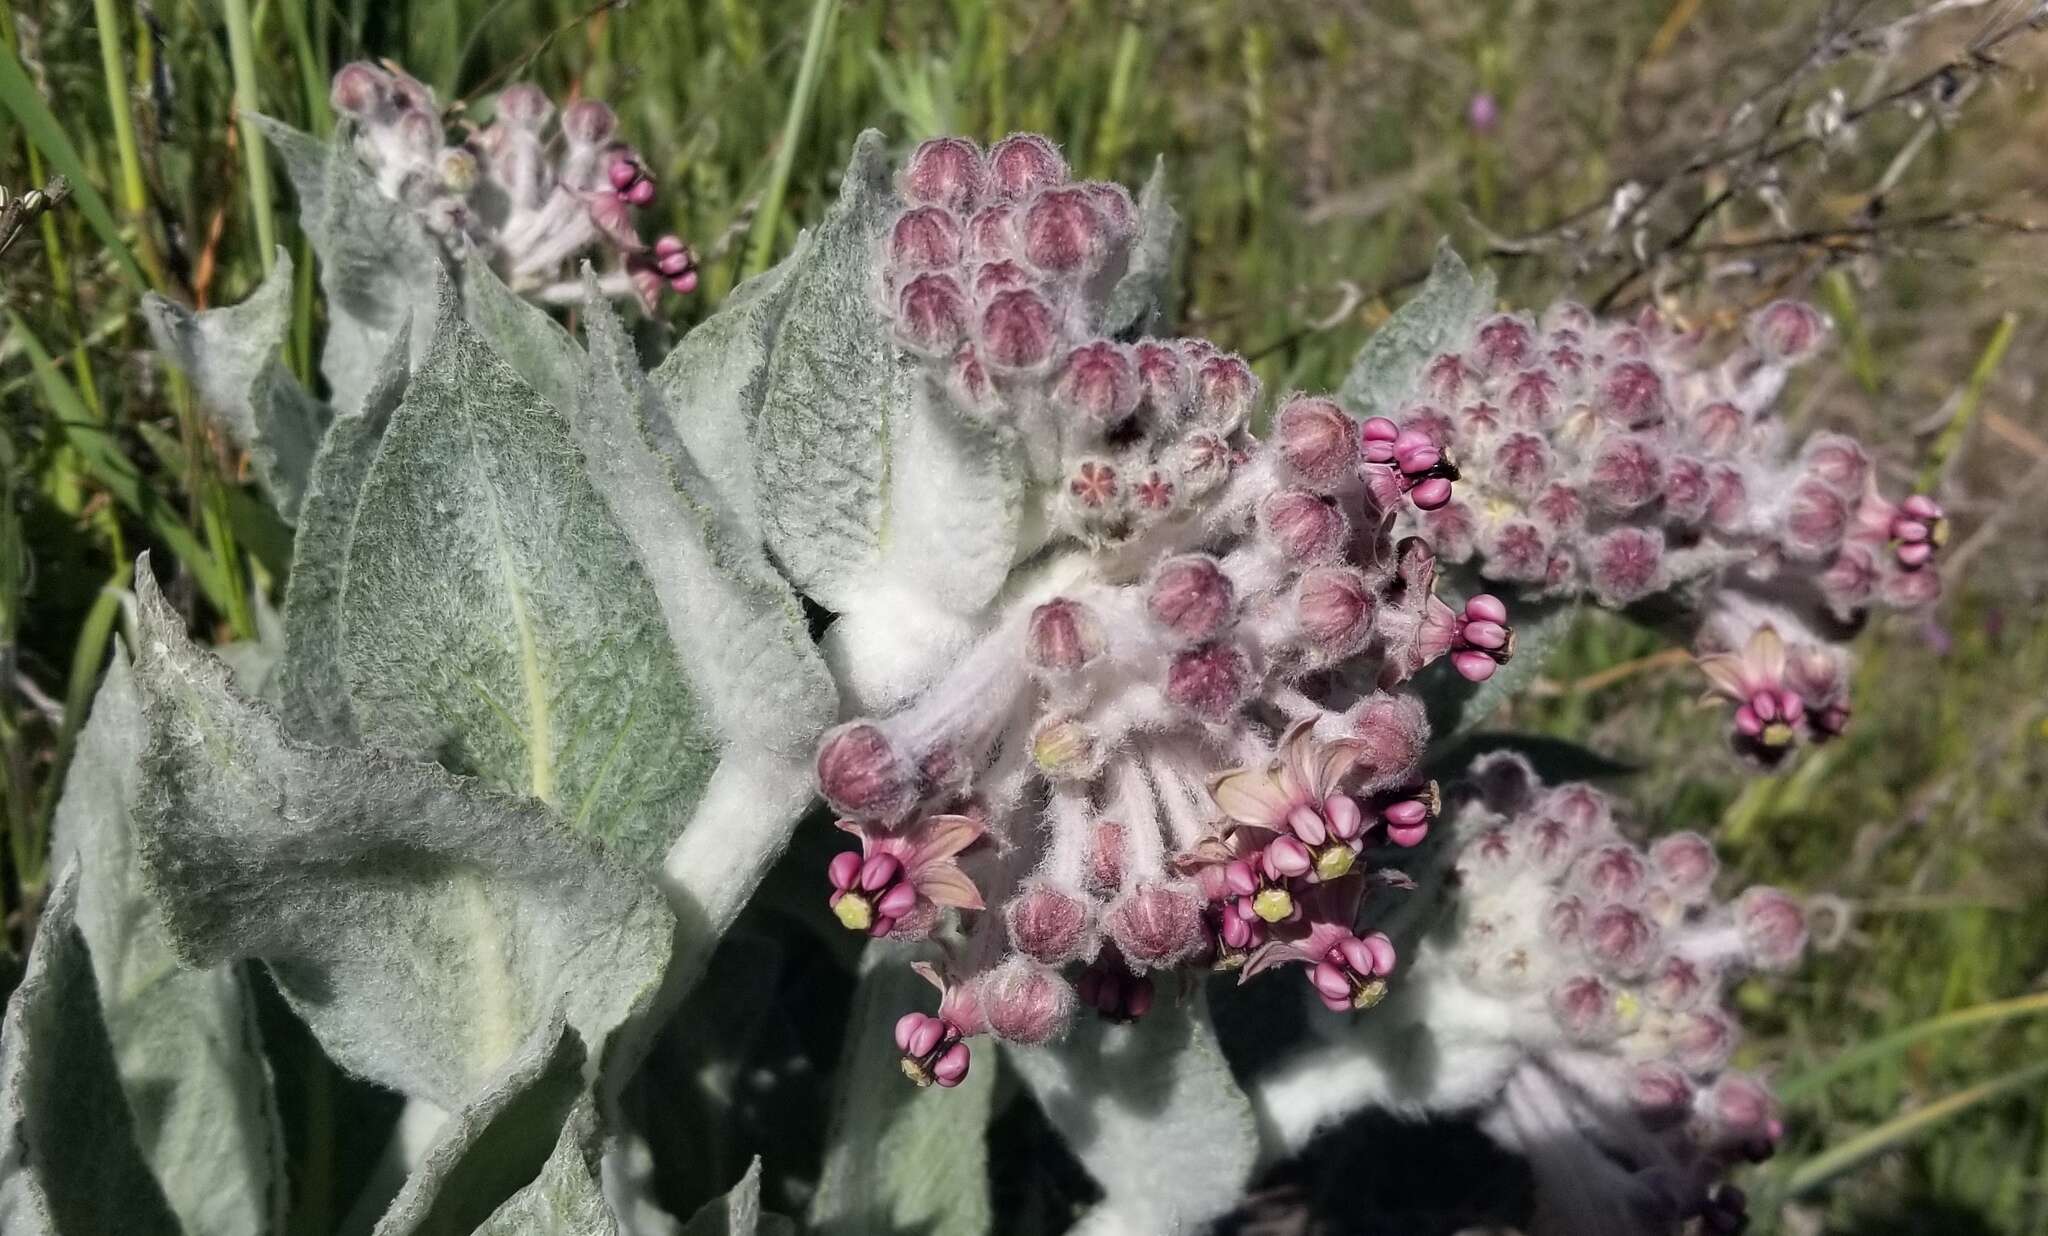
(1347, 970)
(1767, 710)
(1294, 794)
(897, 881)
(931, 1046)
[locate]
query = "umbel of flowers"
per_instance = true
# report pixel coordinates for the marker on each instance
(1618, 460)
(1182, 729)
(533, 191)
(1605, 965)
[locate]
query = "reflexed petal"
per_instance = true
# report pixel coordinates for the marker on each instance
(1252, 796)
(945, 884)
(941, 837)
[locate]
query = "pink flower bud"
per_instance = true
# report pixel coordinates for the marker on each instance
(1522, 464)
(1209, 682)
(1048, 925)
(1503, 343)
(1022, 164)
(1025, 1002)
(1562, 507)
(844, 870)
(1660, 1094)
(1225, 391)
(861, 776)
(1627, 472)
(1191, 598)
(947, 172)
(1451, 529)
(1613, 872)
(991, 278)
(1773, 928)
(1063, 636)
(1787, 332)
(588, 122)
(1568, 319)
(1677, 984)
(1687, 864)
(931, 314)
(1838, 461)
(1585, 1009)
(1156, 925)
(1625, 564)
(951, 1067)
(1564, 920)
(1095, 489)
(1203, 461)
(1516, 551)
(1335, 606)
(1286, 858)
(1108, 844)
(1065, 749)
(1702, 1040)
(1631, 394)
(1062, 233)
(1155, 493)
(361, 89)
(992, 234)
(925, 238)
(1621, 941)
(1686, 489)
(1718, 426)
(1304, 526)
(1017, 331)
(968, 383)
(1098, 382)
(1317, 440)
(1163, 379)
(1815, 521)
(1534, 398)
(1742, 1109)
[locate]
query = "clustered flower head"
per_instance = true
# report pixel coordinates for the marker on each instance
(1184, 731)
(1614, 459)
(532, 191)
(1608, 963)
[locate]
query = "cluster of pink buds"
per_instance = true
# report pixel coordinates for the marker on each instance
(1614, 459)
(1185, 729)
(1608, 962)
(531, 196)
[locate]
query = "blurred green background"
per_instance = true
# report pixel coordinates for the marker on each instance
(1317, 149)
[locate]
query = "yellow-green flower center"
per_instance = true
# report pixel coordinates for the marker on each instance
(1272, 904)
(854, 912)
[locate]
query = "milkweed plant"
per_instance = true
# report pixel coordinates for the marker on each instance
(1142, 692)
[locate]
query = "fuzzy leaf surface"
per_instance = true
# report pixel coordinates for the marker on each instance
(232, 357)
(313, 689)
(421, 925)
(191, 1062)
(901, 1159)
(862, 478)
(377, 265)
(496, 1146)
(69, 1162)
(494, 613)
(1153, 1113)
(711, 386)
(1136, 303)
(1436, 319)
(567, 1198)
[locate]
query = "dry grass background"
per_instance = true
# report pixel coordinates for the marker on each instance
(1318, 148)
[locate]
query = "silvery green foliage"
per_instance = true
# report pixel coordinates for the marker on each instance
(494, 1146)
(190, 1061)
(899, 496)
(1133, 1099)
(314, 693)
(1435, 320)
(900, 1159)
(420, 924)
(232, 356)
(377, 266)
(1137, 303)
(493, 614)
(69, 1162)
(566, 1199)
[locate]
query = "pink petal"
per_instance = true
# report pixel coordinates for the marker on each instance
(945, 884)
(1252, 796)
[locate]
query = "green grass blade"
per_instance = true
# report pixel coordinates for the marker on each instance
(1824, 1167)
(1892, 1044)
(117, 474)
(761, 245)
(18, 95)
